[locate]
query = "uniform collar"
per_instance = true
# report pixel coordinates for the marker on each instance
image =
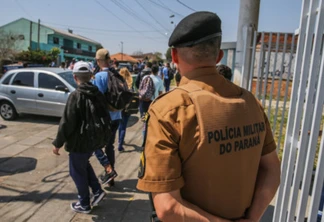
(198, 74)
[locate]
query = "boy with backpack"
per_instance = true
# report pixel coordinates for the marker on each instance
(106, 80)
(151, 87)
(84, 127)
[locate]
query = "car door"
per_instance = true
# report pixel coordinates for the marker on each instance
(22, 92)
(51, 96)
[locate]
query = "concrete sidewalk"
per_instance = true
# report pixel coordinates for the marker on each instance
(35, 184)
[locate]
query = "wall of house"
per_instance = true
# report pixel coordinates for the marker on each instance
(46, 41)
(22, 27)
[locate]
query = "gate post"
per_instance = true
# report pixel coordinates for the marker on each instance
(248, 18)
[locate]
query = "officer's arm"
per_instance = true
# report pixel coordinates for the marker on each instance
(266, 185)
(170, 206)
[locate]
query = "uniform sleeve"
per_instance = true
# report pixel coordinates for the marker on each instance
(160, 169)
(269, 143)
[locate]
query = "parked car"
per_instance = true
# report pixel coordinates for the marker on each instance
(127, 65)
(41, 91)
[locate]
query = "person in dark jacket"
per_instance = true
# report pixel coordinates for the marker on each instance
(146, 71)
(68, 133)
(143, 105)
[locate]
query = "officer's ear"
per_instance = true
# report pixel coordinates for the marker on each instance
(220, 56)
(174, 54)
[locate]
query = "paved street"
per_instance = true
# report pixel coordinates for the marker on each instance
(35, 185)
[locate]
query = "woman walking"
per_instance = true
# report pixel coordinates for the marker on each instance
(125, 116)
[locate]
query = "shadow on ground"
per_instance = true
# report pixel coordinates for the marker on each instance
(132, 121)
(135, 147)
(121, 210)
(14, 165)
(30, 118)
(124, 186)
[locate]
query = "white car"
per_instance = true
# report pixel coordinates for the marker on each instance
(41, 91)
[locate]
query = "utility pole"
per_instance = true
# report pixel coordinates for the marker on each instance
(248, 19)
(38, 36)
(30, 34)
(122, 56)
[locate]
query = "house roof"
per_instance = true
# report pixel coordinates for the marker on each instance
(123, 57)
(274, 38)
(58, 31)
(73, 35)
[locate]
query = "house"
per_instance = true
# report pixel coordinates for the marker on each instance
(38, 36)
(146, 56)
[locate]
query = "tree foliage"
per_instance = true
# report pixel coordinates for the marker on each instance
(158, 56)
(8, 45)
(168, 54)
(138, 52)
(38, 56)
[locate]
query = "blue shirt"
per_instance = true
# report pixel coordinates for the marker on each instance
(165, 73)
(158, 85)
(101, 80)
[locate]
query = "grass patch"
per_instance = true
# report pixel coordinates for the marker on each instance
(281, 121)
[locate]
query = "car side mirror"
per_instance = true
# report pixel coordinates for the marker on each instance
(62, 88)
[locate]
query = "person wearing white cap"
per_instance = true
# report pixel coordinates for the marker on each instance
(74, 133)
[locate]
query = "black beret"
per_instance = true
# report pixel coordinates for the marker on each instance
(196, 28)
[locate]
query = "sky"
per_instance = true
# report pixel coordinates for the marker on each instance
(143, 25)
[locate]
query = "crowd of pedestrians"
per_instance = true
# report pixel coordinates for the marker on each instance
(208, 149)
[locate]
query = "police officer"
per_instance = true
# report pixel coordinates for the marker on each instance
(209, 153)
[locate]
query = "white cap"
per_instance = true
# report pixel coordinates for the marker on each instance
(82, 68)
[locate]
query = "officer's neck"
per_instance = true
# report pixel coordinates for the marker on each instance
(186, 68)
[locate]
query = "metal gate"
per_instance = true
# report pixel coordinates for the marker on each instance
(286, 74)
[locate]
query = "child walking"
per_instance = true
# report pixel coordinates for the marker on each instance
(72, 133)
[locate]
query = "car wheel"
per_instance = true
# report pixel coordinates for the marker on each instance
(8, 111)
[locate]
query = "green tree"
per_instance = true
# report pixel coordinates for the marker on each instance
(8, 45)
(158, 56)
(55, 52)
(168, 55)
(35, 56)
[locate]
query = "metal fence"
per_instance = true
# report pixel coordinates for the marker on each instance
(302, 177)
(286, 75)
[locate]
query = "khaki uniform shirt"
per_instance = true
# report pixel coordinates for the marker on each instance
(214, 165)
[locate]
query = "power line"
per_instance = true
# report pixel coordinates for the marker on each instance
(23, 9)
(151, 15)
(104, 30)
(132, 13)
(161, 5)
(186, 5)
(122, 20)
(114, 34)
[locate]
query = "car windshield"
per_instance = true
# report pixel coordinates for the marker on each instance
(68, 76)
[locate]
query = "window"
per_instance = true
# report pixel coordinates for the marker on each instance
(90, 48)
(79, 45)
(24, 79)
(68, 76)
(46, 81)
(56, 40)
(7, 79)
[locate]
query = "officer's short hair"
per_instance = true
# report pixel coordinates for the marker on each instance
(207, 50)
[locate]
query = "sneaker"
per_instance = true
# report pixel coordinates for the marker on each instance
(98, 197)
(107, 177)
(111, 183)
(76, 206)
(121, 149)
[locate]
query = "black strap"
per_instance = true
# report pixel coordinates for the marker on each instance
(154, 217)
